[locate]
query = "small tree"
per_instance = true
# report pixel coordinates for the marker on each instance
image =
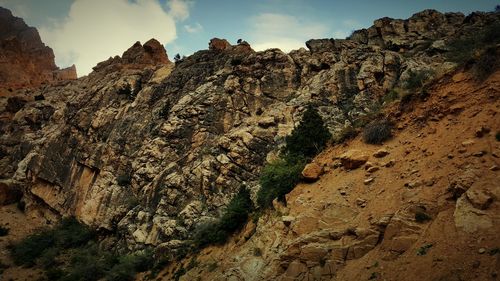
(236, 213)
(234, 217)
(277, 179)
(309, 137)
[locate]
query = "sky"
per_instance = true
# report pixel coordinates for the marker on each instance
(85, 32)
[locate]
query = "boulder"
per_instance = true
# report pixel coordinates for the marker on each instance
(470, 219)
(312, 172)
(151, 53)
(217, 44)
(380, 153)
(321, 45)
(353, 159)
(480, 199)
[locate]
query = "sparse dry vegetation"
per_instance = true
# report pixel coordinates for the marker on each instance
(377, 131)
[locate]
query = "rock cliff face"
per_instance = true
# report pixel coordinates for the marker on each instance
(424, 206)
(149, 149)
(24, 60)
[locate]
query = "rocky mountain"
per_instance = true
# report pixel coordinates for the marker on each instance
(422, 206)
(146, 149)
(24, 60)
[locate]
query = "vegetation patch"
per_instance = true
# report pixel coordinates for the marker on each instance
(391, 96)
(345, 134)
(486, 64)
(309, 137)
(422, 251)
(69, 252)
(417, 79)
(68, 234)
(234, 217)
(277, 179)
(280, 176)
(377, 131)
(477, 50)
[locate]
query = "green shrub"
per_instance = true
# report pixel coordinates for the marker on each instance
(179, 273)
(83, 259)
(277, 179)
(128, 266)
(486, 64)
(390, 96)
(88, 263)
(377, 132)
(29, 249)
(417, 79)
(463, 50)
(71, 233)
(208, 234)
(497, 136)
(54, 273)
(3, 231)
(422, 251)
(347, 133)
(68, 233)
(48, 258)
(309, 137)
(236, 213)
(234, 217)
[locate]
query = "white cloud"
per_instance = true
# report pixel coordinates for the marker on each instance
(197, 27)
(270, 30)
(94, 30)
(179, 9)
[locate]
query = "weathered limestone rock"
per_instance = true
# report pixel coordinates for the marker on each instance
(480, 199)
(153, 149)
(353, 159)
(312, 172)
(218, 44)
(470, 219)
(380, 153)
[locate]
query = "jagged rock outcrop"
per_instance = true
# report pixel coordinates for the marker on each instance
(139, 56)
(24, 60)
(150, 149)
